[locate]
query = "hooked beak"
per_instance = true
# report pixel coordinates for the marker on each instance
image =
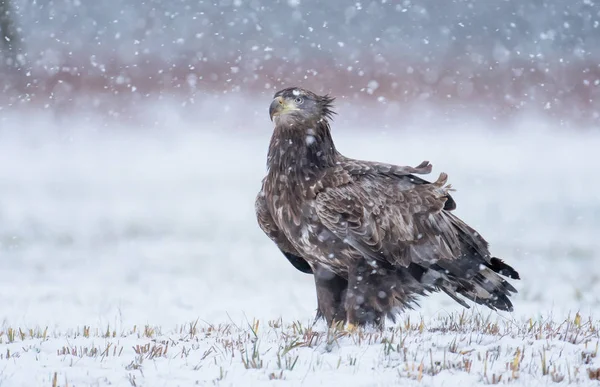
(276, 107)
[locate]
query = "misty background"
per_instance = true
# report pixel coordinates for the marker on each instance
(133, 138)
(494, 59)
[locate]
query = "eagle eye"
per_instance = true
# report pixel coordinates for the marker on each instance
(298, 100)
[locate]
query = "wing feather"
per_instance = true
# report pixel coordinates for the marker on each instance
(384, 215)
(266, 223)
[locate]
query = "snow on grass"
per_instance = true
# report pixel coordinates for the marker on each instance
(469, 348)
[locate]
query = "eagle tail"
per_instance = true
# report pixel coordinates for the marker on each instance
(475, 276)
(498, 265)
(486, 287)
(482, 283)
(489, 289)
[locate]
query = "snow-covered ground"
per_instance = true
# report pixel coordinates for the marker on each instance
(142, 246)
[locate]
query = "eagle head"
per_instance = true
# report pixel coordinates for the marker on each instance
(300, 105)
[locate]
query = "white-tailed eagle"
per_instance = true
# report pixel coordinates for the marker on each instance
(374, 235)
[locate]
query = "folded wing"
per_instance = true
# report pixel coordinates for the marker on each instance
(386, 216)
(391, 216)
(266, 223)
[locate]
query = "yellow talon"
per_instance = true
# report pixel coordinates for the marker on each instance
(351, 327)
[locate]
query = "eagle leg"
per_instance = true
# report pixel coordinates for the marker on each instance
(366, 301)
(331, 294)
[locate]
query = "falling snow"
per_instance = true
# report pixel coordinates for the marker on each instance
(134, 136)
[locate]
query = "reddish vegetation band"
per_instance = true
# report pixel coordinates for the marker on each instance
(569, 92)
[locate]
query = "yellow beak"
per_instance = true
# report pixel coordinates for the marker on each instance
(277, 106)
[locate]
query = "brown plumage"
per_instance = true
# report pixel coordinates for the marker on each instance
(374, 235)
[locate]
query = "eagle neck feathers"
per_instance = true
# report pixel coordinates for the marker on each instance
(299, 155)
(301, 151)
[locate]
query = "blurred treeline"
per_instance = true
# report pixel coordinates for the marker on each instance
(500, 56)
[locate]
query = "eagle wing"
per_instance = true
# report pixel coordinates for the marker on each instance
(388, 214)
(266, 223)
